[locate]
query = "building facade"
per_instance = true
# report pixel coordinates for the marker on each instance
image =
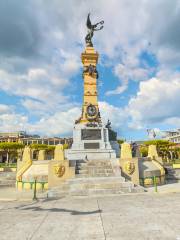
(173, 136)
(26, 139)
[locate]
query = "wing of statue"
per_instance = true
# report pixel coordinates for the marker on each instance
(88, 23)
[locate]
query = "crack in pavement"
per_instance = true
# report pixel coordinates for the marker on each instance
(100, 214)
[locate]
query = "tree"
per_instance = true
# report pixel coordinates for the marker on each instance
(120, 141)
(164, 147)
(10, 147)
(42, 147)
(37, 147)
(143, 151)
(66, 146)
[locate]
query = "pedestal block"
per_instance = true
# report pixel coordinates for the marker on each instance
(90, 143)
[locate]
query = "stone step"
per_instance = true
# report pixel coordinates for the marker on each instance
(94, 171)
(94, 163)
(8, 175)
(99, 186)
(100, 175)
(7, 180)
(96, 179)
(7, 183)
(81, 171)
(92, 167)
(91, 192)
(80, 186)
(81, 162)
(100, 164)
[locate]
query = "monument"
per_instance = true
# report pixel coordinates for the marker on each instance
(91, 139)
(90, 166)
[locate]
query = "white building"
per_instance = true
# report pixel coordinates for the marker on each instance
(173, 135)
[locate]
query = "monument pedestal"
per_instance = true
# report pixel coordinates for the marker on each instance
(90, 143)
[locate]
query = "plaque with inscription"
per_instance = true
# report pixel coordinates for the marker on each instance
(91, 145)
(90, 134)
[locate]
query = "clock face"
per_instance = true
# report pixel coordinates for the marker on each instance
(91, 110)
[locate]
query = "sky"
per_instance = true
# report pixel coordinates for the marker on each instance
(41, 85)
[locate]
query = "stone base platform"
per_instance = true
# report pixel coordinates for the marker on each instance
(95, 177)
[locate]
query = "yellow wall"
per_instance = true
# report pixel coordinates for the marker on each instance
(176, 165)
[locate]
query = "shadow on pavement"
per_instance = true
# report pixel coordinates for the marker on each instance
(63, 210)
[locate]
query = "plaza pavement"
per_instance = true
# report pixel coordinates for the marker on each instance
(131, 216)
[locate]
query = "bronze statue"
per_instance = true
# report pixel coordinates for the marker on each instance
(108, 124)
(91, 69)
(91, 29)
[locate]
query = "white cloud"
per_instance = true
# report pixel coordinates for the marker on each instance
(118, 90)
(60, 123)
(173, 121)
(4, 108)
(156, 101)
(36, 83)
(116, 115)
(10, 122)
(37, 64)
(126, 73)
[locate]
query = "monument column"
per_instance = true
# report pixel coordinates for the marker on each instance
(90, 109)
(90, 136)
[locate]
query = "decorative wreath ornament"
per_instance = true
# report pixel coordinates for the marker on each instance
(59, 170)
(130, 167)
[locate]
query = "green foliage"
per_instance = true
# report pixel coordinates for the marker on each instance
(158, 142)
(37, 146)
(11, 148)
(50, 148)
(165, 149)
(66, 146)
(144, 151)
(120, 141)
(10, 165)
(8, 146)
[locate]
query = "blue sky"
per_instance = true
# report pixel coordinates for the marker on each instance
(41, 84)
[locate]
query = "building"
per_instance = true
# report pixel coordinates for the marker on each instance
(45, 140)
(12, 136)
(173, 136)
(26, 139)
(23, 137)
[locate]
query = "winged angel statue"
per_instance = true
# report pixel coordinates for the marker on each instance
(91, 29)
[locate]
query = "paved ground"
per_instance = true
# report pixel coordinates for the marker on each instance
(134, 216)
(11, 194)
(167, 188)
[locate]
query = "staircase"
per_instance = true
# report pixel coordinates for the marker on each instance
(173, 175)
(94, 177)
(93, 168)
(7, 179)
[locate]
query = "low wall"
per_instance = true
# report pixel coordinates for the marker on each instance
(22, 185)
